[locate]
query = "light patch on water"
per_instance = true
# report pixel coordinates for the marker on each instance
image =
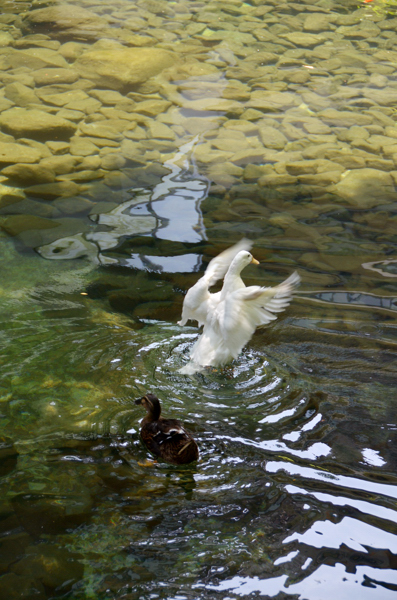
(281, 415)
(314, 451)
(338, 480)
(372, 457)
(326, 583)
(287, 558)
(353, 533)
(174, 215)
(376, 510)
(312, 423)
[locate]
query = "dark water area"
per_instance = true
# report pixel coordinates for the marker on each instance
(138, 141)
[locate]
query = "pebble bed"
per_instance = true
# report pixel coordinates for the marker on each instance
(295, 99)
(287, 114)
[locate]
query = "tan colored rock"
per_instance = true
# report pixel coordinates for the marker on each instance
(89, 162)
(196, 125)
(160, 131)
(384, 97)
(65, 19)
(79, 146)
(272, 137)
(54, 75)
(100, 129)
(28, 174)
(307, 40)
(58, 147)
(366, 188)
(72, 50)
(152, 108)
(236, 90)
(36, 58)
(17, 153)
(206, 155)
(119, 67)
(115, 113)
(132, 151)
(59, 165)
(16, 224)
(63, 98)
(74, 205)
(102, 142)
(254, 172)
(229, 107)
(36, 145)
(304, 167)
(248, 156)
(10, 195)
(33, 123)
(71, 115)
(272, 101)
(19, 94)
(5, 39)
(230, 144)
(49, 191)
(316, 22)
(88, 105)
(113, 161)
(110, 97)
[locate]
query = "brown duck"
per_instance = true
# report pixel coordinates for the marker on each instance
(165, 438)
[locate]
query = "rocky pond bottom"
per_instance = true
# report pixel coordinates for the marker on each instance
(137, 141)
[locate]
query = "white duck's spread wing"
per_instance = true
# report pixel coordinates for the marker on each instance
(219, 265)
(195, 304)
(252, 307)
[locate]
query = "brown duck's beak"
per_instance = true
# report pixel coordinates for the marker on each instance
(139, 401)
(254, 261)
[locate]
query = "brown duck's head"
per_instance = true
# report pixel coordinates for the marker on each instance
(152, 405)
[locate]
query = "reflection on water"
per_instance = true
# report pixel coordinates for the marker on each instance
(171, 211)
(271, 121)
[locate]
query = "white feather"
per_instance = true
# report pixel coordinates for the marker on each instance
(231, 316)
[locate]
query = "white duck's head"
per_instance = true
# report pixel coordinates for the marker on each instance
(241, 260)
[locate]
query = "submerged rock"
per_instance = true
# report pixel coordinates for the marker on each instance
(366, 188)
(118, 67)
(27, 174)
(14, 587)
(8, 456)
(66, 19)
(51, 565)
(36, 124)
(16, 224)
(17, 153)
(48, 513)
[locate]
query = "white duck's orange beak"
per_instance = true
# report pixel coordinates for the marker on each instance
(254, 261)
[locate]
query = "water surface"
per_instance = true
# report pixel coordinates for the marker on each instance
(274, 122)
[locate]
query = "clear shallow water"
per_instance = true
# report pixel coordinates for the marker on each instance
(294, 495)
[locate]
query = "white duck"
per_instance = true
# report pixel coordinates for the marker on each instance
(230, 316)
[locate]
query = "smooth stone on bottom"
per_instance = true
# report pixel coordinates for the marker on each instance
(16, 224)
(36, 124)
(51, 565)
(8, 456)
(49, 191)
(15, 587)
(117, 66)
(366, 188)
(28, 174)
(11, 153)
(48, 513)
